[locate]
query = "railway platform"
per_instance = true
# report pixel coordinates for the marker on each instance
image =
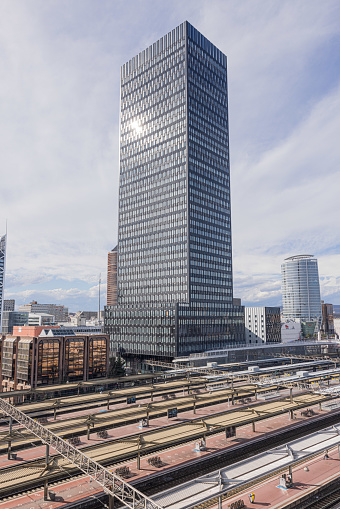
(69, 492)
(306, 480)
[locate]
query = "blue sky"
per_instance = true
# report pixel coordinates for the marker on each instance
(59, 123)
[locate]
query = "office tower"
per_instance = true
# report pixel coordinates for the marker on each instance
(9, 304)
(59, 312)
(262, 325)
(2, 275)
(301, 292)
(175, 293)
(327, 318)
(12, 319)
(112, 260)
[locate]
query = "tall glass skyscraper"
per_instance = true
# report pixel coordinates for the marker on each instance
(175, 293)
(2, 275)
(301, 290)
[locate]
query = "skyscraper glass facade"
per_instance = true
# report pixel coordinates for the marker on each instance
(174, 249)
(301, 289)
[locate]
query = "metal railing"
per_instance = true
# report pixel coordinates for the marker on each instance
(112, 484)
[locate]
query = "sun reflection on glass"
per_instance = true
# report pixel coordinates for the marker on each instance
(135, 124)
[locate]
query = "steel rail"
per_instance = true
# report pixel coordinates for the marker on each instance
(149, 486)
(111, 483)
(184, 433)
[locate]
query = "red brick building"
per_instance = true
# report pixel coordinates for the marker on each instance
(51, 356)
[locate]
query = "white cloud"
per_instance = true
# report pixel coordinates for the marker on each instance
(59, 105)
(286, 203)
(72, 296)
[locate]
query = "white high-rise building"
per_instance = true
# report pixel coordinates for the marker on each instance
(301, 292)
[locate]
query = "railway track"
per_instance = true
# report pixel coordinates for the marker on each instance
(111, 453)
(160, 481)
(77, 426)
(69, 404)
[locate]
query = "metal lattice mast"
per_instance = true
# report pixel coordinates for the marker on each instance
(3, 240)
(112, 484)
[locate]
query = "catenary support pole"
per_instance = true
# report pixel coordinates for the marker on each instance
(290, 471)
(111, 502)
(9, 451)
(45, 489)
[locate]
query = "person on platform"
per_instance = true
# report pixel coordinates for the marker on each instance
(251, 498)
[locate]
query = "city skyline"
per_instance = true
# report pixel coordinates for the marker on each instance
(60, 138)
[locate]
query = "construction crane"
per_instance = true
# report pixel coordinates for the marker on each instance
(112, 484)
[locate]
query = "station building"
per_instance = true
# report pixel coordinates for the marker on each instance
(38, 356)
(262, 352)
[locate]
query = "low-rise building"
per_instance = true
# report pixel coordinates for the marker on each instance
(262, 325)
(290, 331)
(81, 318)
(40, 356)
(337, 326)
(43, 319)
(11, 319)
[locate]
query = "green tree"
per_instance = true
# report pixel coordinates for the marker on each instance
(116, 367)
